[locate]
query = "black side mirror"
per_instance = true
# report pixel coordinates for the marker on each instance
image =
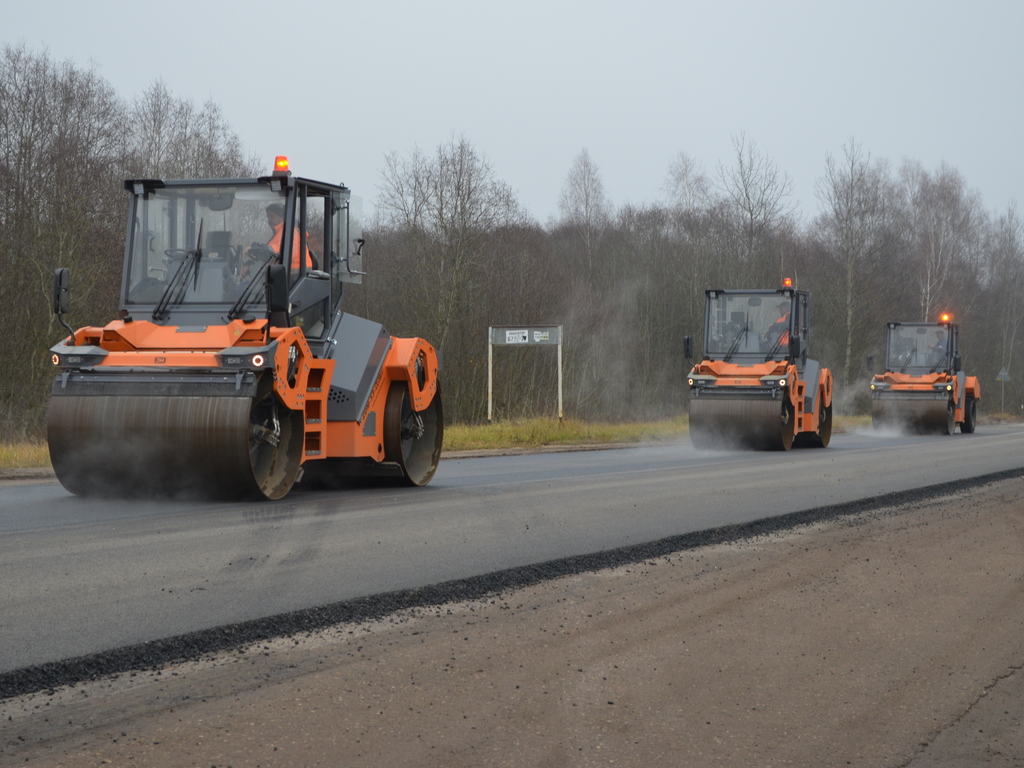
(956, 363)
(61, 291)
(688, 348)
(796, 347)
(277, 295)
(62, 297)
(870, 360)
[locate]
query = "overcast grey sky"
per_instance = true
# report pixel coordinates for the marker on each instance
(338, 85)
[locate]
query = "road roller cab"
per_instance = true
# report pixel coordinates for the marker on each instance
(232, 370)
(755, 386)
(922, 388)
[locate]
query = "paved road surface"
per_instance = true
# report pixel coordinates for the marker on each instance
(83, 576)
(887, 638)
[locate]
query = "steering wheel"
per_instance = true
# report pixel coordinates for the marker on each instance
(259, 252)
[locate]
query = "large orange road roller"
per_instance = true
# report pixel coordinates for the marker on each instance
(232, 371)
(923, 388)
(755, 387)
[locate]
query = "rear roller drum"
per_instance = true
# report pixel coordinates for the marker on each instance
(822, 437)
(413, 439)
(970, 422)
(788, 424)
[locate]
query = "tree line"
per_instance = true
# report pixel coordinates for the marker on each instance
(453, 253)
(67, 143)
(450, 251)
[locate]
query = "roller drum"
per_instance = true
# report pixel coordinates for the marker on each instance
(750, 423)
(923, 416)
(175, 445)
(413, 440)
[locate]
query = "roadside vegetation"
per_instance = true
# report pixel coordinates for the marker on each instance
(540, 432)
(26, 454)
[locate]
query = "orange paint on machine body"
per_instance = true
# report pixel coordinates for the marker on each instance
(231, 373)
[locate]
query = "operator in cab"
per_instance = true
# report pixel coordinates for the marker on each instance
(275, 220)
(937, 351)
(779, 330)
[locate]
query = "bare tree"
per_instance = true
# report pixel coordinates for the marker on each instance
(61, 131)
(855, 212)
(584, 207)
(756, 191)
(944, 223)
(67, 141)
(172, 138)
(687, 186)
(448, 215)
(405, 190)
(1006, 282)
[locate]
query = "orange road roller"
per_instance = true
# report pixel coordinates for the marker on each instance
(231, 371)
(755, 387)
(923, 389)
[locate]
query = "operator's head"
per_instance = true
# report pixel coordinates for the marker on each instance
(783, 306)
(275, 214)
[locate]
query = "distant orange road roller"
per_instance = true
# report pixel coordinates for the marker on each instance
(923, 388)
(232, 371)
(755, 388)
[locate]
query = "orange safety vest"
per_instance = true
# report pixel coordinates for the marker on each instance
(275, 246)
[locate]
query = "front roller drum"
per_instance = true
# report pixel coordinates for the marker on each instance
(176, 445)
(921, 416)
(412, 439)
(735, 423)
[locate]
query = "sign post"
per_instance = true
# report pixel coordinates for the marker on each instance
(1002, 378)
(521, 335)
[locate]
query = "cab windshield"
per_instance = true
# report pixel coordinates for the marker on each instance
(748, 324)
(231, 225)
(917, 347)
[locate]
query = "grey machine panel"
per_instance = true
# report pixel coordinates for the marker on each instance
(359, 349)
(812, 375)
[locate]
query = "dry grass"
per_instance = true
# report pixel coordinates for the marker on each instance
(24, 455)
(849, 423)
(535, 433)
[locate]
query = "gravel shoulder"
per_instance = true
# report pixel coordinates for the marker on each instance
(888, 638)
